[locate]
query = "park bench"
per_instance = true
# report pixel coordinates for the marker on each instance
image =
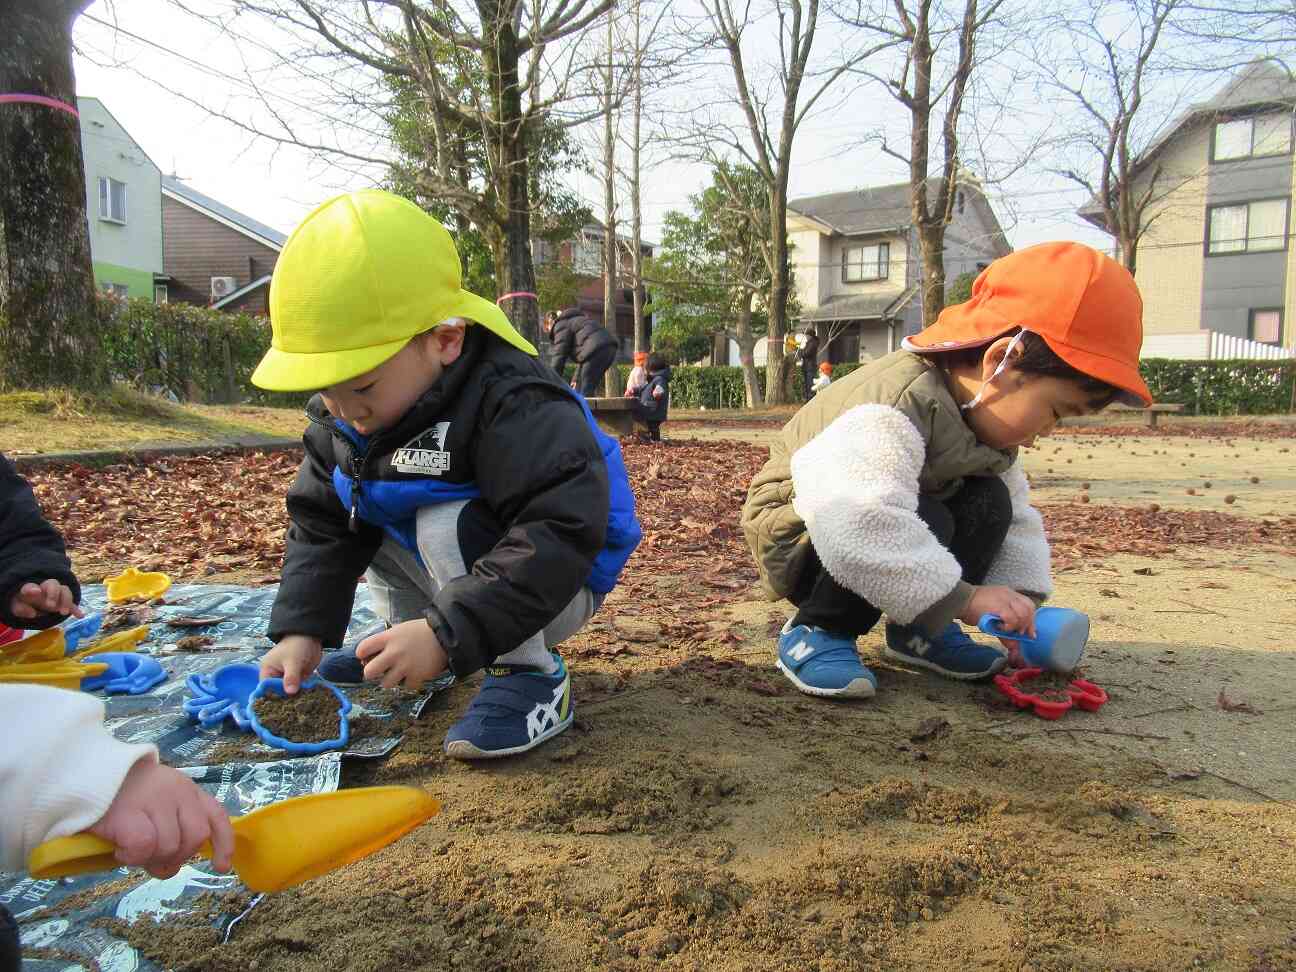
(613, 415)
(1152, 411)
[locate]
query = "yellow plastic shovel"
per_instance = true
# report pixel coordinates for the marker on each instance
(281, 845)
(64, 673)
(47, 645)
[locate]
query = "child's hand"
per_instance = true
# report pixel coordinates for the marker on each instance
(294, 658)
(47, 597)
(408, 652)
(1015, 610)
(160, 818)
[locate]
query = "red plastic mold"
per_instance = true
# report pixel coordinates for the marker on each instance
(1083, 694)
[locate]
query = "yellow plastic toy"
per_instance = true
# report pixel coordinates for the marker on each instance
(118, 641)
(135, 585)
(47, 645)
(64, 673)
(281, 845)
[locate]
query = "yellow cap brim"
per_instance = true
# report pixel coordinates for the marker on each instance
(290, 371)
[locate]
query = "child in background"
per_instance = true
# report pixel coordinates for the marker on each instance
(654, 398)
(446, 463)
(824, 379)
(899, 490)
(61, 771)
(638, 375)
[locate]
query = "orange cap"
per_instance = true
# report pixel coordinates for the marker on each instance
(1084, 304)
(641, 357)
(825, 367)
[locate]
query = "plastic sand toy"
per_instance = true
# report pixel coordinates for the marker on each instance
(135, 585)
(117, 641)
(222, 694)
(126, 673)
(82, 629)
(44, 646)
(64, 673)
(275, 686)
(1060, 637)
(1077, 694)
(278, 846)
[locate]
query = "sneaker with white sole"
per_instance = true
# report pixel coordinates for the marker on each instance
(951, 653)
(819, 662)
(516, 709)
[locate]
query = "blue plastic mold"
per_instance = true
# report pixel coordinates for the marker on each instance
(222, 694)
(82, 629)
(302, 749)
(127, 672)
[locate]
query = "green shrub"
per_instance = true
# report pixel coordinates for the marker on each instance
(1225, 387)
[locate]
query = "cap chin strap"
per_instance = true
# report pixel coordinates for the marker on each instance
(976, 399)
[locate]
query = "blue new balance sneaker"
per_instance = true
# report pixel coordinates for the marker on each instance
(951, 653)
(516, 709)
(819, 662)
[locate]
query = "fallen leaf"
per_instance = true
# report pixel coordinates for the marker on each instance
(1108, 592)
(1145, 571)
(929, 729)
(1213, 586)
(762, 687)
(1184, 773)
(194, 622)
(195, 642)
(1231, 705)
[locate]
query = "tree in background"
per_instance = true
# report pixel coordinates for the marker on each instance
(712, 273)
(960, 289)
(47, 330)
(559, 284)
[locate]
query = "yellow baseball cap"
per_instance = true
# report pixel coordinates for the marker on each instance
(360, 276)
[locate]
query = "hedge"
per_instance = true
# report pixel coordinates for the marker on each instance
(1232, 387)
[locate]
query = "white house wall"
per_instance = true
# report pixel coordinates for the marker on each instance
(110, 151)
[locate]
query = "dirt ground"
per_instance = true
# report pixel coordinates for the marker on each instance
(702, 815)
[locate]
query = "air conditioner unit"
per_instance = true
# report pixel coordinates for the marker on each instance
(222, 287)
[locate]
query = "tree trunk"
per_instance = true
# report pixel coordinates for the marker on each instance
(610, 379)
(932, 244)
(746, 353)
(636, 201)
(775, 368)
(48, 331)
(514, 271)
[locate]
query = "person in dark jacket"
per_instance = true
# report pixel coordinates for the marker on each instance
(575, 337)
(654, 398)
(37, 586)
(444, 462)
(808, 357)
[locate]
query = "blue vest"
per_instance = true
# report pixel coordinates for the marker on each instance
(394, 504)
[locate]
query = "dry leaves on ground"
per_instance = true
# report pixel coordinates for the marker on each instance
(1184, 430)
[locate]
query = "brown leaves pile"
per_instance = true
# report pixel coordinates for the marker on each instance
(1086, 534)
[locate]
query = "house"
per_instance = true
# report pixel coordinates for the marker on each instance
(123, 206)
(1214, 265)
(584, 254)
(857, 266)
(214, 255)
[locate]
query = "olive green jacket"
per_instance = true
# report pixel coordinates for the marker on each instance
(844, 475)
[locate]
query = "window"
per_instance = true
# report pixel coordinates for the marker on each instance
(866, 262)
(1243, 138)
(1265, 325)
(1247, 227)
(116, 289)
(160, 294)
(112, 200)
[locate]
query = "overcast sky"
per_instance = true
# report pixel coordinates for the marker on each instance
(145, 84)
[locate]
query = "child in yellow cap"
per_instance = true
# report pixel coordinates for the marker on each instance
(444, 462)
(898, 489)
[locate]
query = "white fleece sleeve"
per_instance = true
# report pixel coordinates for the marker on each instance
(1023, 561)
(59, 767)
(856, 488)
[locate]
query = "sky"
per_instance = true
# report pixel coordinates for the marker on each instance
(164, 83)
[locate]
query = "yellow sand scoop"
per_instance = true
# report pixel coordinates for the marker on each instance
(64, 673)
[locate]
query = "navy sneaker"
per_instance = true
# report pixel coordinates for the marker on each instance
(342, 666)
(516, 709)
(819, 662)
(951, 653)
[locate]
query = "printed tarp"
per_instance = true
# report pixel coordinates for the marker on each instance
(157, 717)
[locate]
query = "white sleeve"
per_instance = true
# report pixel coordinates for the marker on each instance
(59, 767)
(1023, 561)
(856, 488)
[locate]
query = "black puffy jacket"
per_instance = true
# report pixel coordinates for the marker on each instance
(576, 337)
(510, 431)
(31, 551)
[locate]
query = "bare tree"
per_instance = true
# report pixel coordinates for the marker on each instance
(1107, 72)
(47, 329)
(492, 73)
(611, 255)
(636, 200)
(933, 94)
(772, 101)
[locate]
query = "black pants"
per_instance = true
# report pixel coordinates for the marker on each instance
(10, 949)
(589, 373)
(971, 524)
(650, 416)
(808, 368)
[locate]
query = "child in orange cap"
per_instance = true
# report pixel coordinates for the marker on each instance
(824, 379)
(638, 375)
(898, 490)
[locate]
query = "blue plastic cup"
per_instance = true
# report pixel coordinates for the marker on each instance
(1060, 637)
